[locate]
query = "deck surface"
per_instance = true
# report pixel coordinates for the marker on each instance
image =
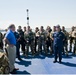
(44, 65)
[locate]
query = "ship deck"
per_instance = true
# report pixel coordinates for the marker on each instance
(42, 64)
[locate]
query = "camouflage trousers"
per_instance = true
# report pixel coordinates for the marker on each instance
(42, 45)
(31, 45)
(65, 50)
(74, 46)
(70, 42)
(49, 45)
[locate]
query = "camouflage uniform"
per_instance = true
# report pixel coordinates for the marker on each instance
(36, 40)
(74, 40)
(4, 63)
(70, 40)
(65, 42)
(1, 40)
(51, 34)
(29, 38)
(42, 39)
(48, 42)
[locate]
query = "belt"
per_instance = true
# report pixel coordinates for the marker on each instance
(11, 45)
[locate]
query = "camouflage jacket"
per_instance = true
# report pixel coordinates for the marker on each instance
(42, 35)
(29, 36)
(66, 34)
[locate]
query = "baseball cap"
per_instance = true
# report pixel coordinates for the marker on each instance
(58, 26)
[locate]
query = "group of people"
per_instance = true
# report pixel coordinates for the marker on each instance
(48, 41)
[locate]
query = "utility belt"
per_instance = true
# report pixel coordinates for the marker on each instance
(29, 41)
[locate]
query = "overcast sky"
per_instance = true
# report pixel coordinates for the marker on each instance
(41, 12)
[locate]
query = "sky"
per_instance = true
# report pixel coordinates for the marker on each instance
(41, 13)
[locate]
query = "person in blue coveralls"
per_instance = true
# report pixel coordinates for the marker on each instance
(58, 38)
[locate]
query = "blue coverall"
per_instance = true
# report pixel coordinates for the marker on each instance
(17, 45)
(58, 44)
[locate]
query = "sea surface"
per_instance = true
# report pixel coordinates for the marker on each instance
(67, 29)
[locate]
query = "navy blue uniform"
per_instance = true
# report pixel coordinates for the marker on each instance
(58, 44)
(17, 45)
(22, 41)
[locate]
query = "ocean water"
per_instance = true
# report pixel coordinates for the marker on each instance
(67, 29)
(3, 32)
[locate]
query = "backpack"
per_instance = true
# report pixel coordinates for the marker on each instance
(4, 63)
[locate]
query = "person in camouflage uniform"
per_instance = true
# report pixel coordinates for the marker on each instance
(53, 31)
(1, 39)
(42, 40)
(29, 38)
(36, 38)
(74, 40)
(4, 62)
(71, 39)
(51, 34)
(24, 29)
(48, 39)
(21, 41)
(65, 42)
